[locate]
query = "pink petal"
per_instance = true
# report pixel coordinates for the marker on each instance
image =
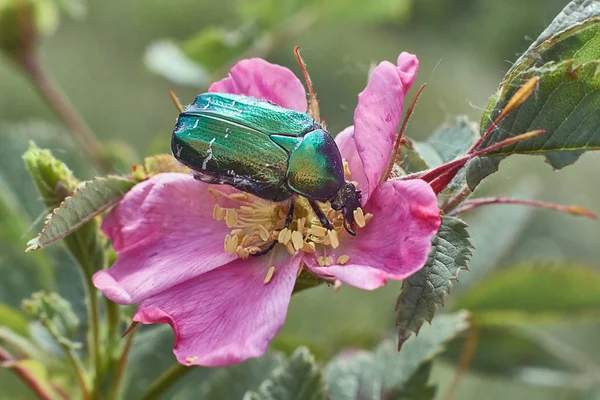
(260, 79)
(164, 233)
(227, 315)
(379, 113)
(347, 146)
(394, 244)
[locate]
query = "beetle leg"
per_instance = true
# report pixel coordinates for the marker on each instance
(288, 221)
(321, 215)
(348, 228)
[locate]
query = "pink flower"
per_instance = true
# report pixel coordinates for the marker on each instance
(224, 306)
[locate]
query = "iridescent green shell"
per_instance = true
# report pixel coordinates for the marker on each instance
(257, 147)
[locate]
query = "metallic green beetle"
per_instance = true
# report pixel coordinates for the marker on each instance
(261, 148)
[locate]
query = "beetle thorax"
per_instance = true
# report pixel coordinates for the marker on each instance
(256, 223)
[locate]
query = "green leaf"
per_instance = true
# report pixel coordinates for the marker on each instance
(89, 199)
(14, 320)
(385, 373)
(535, 290)
(164, 57)
(564, 105)
(418, 387)
(424, 292)
(410, 158)
(56, 182)
(232, 382)
(297, 379)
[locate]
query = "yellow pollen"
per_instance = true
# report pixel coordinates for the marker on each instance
(245, 241)
(270, 273)
(253, 249)
(346, 169)
(284, 237)
(218, 212)
(263, 233)
(242, 252)
(368, 217)
(343, 259)
(231, 243)
(301, 222)
(238, 232)
(231, 217)
(321, 261)
(328, 261)
(317, 231)
(333, 238)
(359, 217)
(309, 247)
(239, 196)
(213, 193)
(290, 248)
(191, 359)
(297, 240)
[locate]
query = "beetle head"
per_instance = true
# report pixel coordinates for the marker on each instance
(346, 200)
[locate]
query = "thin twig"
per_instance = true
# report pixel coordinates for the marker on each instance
(470, 205)
(56, 99)
(120, 369)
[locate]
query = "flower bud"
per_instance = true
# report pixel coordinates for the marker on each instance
(23, 21)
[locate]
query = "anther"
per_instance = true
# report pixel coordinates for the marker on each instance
(191, 359)
(297, 240)
(337, 285)
(245, 241)
(368, 217)
(270, 273)
(321, 261)
(213, 193)
(253, 249)
(333, 238)
(290, 248)
(218, 212)
(239, 196)
(359, 217)
(242, 252)
(263, 233)
(231, 217)
(343, 259)
(300, 224)
(317, 231)
(309, 247)
(346, 168)
(328, 260)
(238, 232)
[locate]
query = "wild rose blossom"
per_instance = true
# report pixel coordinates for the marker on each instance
(184, 245)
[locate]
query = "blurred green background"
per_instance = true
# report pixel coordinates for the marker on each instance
(464, 46)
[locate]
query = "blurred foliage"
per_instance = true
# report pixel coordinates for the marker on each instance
(463, 46)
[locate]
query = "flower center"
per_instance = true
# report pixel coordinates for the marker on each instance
(256, 224)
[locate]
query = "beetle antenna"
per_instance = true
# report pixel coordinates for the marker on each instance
(175, 101)
(313, 103)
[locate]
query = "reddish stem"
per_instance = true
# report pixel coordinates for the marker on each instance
(470, 205)
(313, 103)
(27, 377)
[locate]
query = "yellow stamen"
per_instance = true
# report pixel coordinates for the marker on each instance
(284, 237)
(191, 359)
(346, 169)
(245, 241)
(328, 260)
(343, 259)
(317, 231)
(242, 252)
(218, 212)
(238, 232)
(301, 222)
(239, 196)
(321, 261)
(333, 238)
(213, 193)
(270, 273)
(231, 217)
(359, 217)
(290, 248)
(263, 233)
(309, 247)
(253, 249)
(368, 217)
(297, 240)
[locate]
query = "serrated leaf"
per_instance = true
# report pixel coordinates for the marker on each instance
(232, 382)
(564, 105)
(424, 292)
(298, 379)
(530, 290)
(89, 199)
(385, 373)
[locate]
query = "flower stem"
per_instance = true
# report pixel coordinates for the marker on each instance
(120, 368)
(472, 204)
(165, 381)
(455, 201)
(51, 93)
(464, 362)
(6, 360)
